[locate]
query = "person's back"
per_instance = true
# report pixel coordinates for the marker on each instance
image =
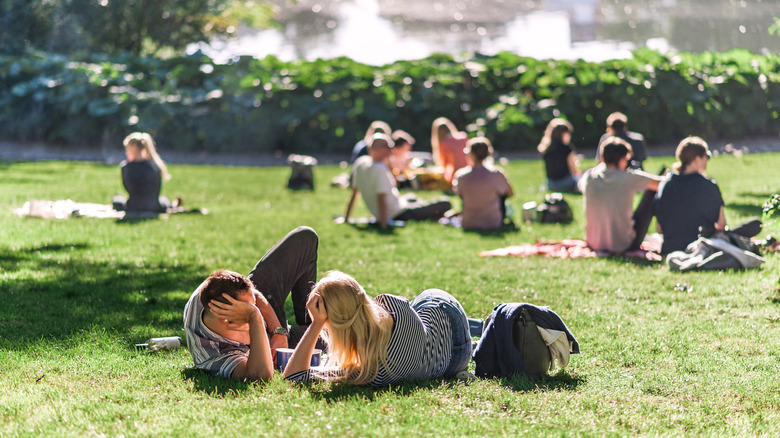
(555, 161)
(142, 180)
(608, 195)
(683, 204)
(482, 190)
(452, 154)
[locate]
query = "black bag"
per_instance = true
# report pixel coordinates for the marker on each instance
(302, 172)
(555, 209)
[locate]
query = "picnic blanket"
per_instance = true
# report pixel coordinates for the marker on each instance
(574, 249)
(66, 208)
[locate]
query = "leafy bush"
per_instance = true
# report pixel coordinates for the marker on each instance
(189, 103)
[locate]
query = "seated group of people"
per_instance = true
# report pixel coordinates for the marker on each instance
(482, 187)
(234, 324)
(686, 203)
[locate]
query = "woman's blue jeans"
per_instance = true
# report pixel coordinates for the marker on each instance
(461, 337)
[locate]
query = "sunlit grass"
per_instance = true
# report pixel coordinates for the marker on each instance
(79, 293)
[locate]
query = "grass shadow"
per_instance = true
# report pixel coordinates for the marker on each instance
(762, 196)
(374, 228)
(562, 381)
(636, 261)
(54, 290)
(339, 392)
(495, 233)
(214, 386)
(745, 209)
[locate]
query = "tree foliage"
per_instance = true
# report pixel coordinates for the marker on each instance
(263, 105)
(115, 26)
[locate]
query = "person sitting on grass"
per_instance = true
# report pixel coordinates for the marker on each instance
(361, 147)
(381, 341)
(447, 145)
(560, 160)
(482, 187)
(401, 158)
(372, 178)
(617, 126)
(689, 204)
(608, 194)
(142, 176)
(234, 323)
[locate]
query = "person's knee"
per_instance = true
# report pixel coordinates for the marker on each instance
(305, 234)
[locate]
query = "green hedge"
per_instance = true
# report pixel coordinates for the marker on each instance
(262, 105)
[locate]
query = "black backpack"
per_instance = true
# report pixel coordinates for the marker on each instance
(555, 209)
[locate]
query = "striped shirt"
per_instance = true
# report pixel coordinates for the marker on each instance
(210, 351)
(420, 345)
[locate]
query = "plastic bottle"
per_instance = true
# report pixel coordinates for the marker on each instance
(157, 344)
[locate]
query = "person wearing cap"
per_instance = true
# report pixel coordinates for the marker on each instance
(608, 195)
(482, 187)
(372, 179)
(617, 126)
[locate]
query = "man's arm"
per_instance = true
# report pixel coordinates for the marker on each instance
(258, 365)
(351, 204)
(721, 224)
(381, 200)
(276, 340)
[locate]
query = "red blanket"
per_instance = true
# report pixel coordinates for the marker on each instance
(571, 249)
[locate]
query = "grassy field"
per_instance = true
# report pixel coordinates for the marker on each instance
(78, 293)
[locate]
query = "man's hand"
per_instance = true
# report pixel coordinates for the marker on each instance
(237, 313)
(277, 341)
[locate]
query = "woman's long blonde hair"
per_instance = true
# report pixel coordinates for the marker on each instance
(440, 127)
(554, 133)
(358, 330)
(145, 144)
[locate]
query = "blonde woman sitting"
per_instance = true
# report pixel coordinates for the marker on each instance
(142, 176)
(381, 341)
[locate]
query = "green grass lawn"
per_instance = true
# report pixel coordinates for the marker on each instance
(78, 293)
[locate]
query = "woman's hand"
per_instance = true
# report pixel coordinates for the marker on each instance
(316, 306)
(236, 313)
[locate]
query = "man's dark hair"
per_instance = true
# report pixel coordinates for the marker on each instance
(402, 137)
(614, 149)
(224, 282)
(617, 122)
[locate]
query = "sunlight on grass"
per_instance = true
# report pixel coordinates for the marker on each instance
(79, 294)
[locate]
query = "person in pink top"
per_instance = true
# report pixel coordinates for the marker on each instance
(447, 144)
(482, 187)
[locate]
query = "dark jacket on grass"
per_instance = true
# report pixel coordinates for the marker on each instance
(496, 355)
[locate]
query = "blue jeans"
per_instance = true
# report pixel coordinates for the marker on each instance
(565, 184)
(461, 337)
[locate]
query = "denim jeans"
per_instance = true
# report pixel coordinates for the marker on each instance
(461, 337)
(566, 184)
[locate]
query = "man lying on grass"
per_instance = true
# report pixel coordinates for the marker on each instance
(234, 324)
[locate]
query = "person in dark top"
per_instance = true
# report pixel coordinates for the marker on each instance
(688, 200)
(617, 126)
(142, 175)
(560, 160)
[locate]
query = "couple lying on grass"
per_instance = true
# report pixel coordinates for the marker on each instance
(234, 324)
